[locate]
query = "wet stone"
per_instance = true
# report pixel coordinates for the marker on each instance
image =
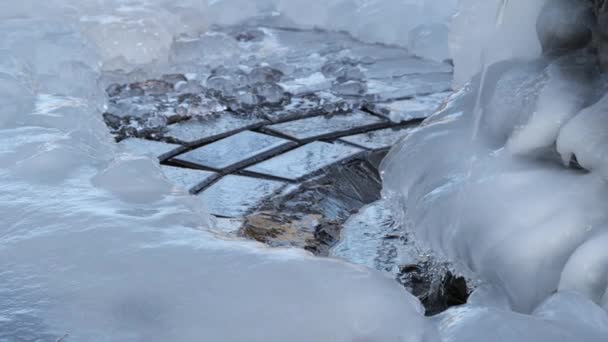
(158, 149)
(305, 161)
(189, 179)
(279, 230)
(235, 151)
(237, 196)
(417, 108)
(378, 140)
(323, 127)
(200, 130)
(311, 214)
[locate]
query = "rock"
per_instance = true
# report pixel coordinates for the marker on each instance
(437, 287)
(311, 217)
(113, 121)
(309, 231)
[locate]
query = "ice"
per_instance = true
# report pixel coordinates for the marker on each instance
(585, 137)
(430, 41)
(157, 149)
(305, 161)
(265, 74)
(365, 239)
(565, 25)
(393, 68)
(484, 224)
(325, 127)
(236, 196)
(189, 179)
(349, 88)
(570, 87)
(378, 140)
(199, 131)
(419, 107)
(310, 84)
(300, 107)
(495, 207)
(213, 48)
(98, 245)
(563, 317)
(514, 38)
(381, 21)
(235, 151)
(388, 89)
(270, 93)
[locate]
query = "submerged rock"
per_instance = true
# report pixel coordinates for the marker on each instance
(311, 216)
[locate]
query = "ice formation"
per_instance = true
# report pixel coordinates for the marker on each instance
(382, 21)
(96, 245)
(510, 175)
(484, 32)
